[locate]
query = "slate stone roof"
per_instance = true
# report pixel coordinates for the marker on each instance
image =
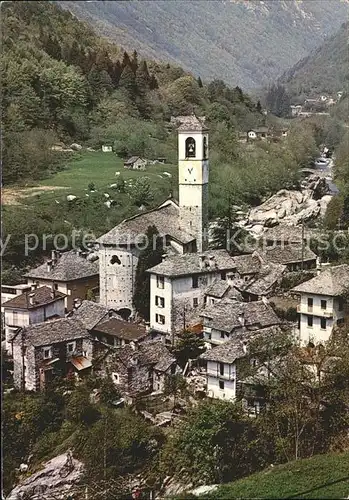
(69, 267)
(190, 263)
(165, 218)
(121, 329)
(288, 234)
(153, 354)
(132, 160)
(217, 289)
(333, 281)
(191, 123)
(40, 296)
(90, 313)
(263, 282)
(289, 254)
(228, 352)
(53, 332)
(227, 316)
(249, 263)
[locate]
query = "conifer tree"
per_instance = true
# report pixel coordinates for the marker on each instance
(259, 106)
(125, 60)
(128, 81)
(200, 82)
(134, 61)
(149, 257)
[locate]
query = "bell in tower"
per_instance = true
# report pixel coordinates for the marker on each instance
(190, 148)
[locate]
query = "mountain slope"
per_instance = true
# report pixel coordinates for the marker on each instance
(325, 70)
(322, 476)
(244, 43)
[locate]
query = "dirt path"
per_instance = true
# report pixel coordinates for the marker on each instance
(14, 196)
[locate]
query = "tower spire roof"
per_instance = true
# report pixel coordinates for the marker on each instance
(192, 123)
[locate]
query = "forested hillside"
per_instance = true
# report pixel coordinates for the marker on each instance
(62, 82)
(246, 43)
(324, 70)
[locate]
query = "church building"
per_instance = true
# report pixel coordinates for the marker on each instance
(182, 224)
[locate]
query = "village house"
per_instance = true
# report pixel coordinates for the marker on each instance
(70, 273)
(135, 163)
(323, 304)
(31, 307)
(118, 332)
(177, 288)
(182, 225)
(295, 258)
(91, 313)
(10, 291)
(226, 366)
(225, 320)
(138, 368)
(296, 109)
(107, 148)
(261, 133)
(256, 277)
(50, 350)
(221, 290)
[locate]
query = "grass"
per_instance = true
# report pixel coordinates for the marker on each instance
(322, 476)
(100, 168)
(89, 167)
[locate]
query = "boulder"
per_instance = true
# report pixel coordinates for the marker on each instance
(76, 147)
(54, 480)
(71, 197)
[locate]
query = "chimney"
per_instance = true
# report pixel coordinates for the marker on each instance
(244, 346)
(241, 318)
(164, 257)
(53, 256)
(211, 261)
(49, 266)
(78, 252)
(31, 299)
(53, 291)
(77, 303)
(202, 261)
(33, 287)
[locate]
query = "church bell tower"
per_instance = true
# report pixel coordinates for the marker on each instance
(193, 178)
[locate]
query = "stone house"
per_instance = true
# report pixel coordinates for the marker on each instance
(323, 304)
(71, 273)
(138, 368)
(118, 332)
(227, 320)
(135, 163)
(107, 148)
(43, 352)
(31, 307)
(177, 288)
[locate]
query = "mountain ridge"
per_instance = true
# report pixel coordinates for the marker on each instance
(275, 35)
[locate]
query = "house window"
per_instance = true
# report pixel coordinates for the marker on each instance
(71, 347)
(221, 385)
(310, 321)
(323, 323)
(55, 286)
(323, 304)
(223, 275)
(195, 282)
(221, 368)
(159, 318)
(159, 301)
(47, 352)
(160, 281)
(310, 304)
(222, 335)
(15, 318)
(195, 302)
(340, 305)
